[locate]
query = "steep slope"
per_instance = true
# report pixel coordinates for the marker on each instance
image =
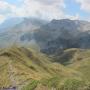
(83, 67)
(70, 56)
(20, 66)
(18, 22)
(9, 23)
(19, 32)
(81, 63)
(77, 59)
(63, 34)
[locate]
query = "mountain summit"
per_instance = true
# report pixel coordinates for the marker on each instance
(63, 34)
(52, 36)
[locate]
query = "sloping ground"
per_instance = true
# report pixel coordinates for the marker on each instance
(23, 66)
(83, 67)
(81, 63)
(70, 56)
(77, 60)
(27, 69)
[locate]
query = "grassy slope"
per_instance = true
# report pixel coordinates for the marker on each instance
(28, 69)
(83, 67)
(79, 60)
(21, 66)
(73, 55)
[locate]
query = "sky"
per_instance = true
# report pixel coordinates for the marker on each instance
(45, 9)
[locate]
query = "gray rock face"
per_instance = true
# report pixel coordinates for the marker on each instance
(51, 37)
(63, 34)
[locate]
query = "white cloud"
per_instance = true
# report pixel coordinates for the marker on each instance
(75, 17)
(2, 18)
(44, 9)
(5, 6)
(84, 5)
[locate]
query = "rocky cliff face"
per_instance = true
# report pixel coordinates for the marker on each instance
(63, 34)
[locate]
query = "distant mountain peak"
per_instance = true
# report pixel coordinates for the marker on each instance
(63, 33)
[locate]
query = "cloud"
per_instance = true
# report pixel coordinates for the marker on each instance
(51, 2)
(75, 17)
(2, 18)
(44, 9)
(84, 5)
(5, 6)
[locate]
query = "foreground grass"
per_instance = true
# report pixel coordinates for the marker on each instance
(32, 70)
(19, 66)
(56, 84)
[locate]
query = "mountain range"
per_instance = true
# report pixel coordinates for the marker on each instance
(44, 55)
(50, 36)
(63, 34)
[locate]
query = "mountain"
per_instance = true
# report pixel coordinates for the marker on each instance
(20, 33)
(63, 34)
(9, 23)
(16, 22)
(57, 34)
(37, 55)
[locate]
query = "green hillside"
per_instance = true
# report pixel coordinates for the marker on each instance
(21, 66)
(77, 59)
(82, 64)
(27, 69)
(70, 56)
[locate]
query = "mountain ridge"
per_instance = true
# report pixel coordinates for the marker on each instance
(63, 34)
(54, 56)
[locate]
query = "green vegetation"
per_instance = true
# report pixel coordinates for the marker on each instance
(74, 84)
(56, 84)
(18, 65)
(70, 56)
(28, 69)
(31, 86)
